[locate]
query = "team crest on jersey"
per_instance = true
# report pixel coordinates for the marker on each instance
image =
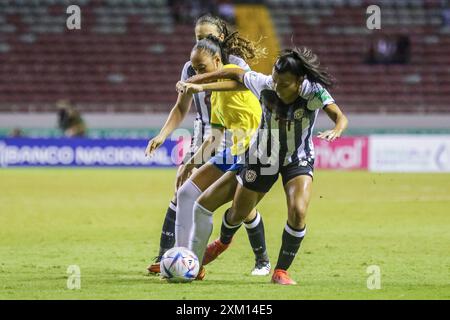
(250, 176)
(298, 114)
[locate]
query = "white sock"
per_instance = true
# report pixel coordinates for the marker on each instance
(184, 224)
(203, 227)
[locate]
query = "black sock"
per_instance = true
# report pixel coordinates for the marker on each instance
(255, 232)
(292, 239)
(227, 231)
(167, 240)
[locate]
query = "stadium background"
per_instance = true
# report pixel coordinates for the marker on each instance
(119, 71)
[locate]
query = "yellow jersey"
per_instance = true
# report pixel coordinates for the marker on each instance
(237, 111)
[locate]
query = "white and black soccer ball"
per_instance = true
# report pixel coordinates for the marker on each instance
(179, 264)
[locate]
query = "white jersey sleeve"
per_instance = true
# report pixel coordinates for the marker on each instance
(257, 82)
(184, 73)
(239, 61)
(317, 96)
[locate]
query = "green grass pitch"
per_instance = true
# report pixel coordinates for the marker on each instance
(108, 223)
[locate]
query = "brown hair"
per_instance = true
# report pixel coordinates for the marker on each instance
(233, 42)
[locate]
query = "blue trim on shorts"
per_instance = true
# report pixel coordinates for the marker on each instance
(225, 161)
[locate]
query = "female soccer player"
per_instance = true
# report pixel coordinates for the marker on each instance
(205, 25)
(238, 112)
(291, 98)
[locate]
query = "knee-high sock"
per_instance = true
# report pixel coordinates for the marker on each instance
(292, 238)
(202, 230)
(255, 232)
(186, 196)
(167, 239)
(227, 230)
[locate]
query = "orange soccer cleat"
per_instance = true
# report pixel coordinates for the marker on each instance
(281, 277)
(154, 268)
(201, 273)
(213, 250)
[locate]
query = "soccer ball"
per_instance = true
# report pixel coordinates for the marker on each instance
(179, 264)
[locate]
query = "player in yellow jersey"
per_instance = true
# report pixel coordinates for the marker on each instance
(291, 98)
(233, 113)
(239, 112)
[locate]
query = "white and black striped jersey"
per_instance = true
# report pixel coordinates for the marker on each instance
(286, 128)
(202, 102)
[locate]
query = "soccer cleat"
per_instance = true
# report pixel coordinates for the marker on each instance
(281, 277)
(262, 268)
(213, 250)
(154, 268)
(201, 273)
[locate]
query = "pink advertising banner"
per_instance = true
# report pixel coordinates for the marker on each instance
(346, 153)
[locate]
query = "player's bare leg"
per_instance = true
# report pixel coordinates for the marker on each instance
(211, 200)
(244, 202)
(298, 194)
(219, 193)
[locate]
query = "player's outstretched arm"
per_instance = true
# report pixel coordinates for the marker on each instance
(191, 88)
(236, 74)
(340, 120)
(230, 85)
(176, 116)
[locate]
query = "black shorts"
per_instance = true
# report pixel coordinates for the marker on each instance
(261, 178)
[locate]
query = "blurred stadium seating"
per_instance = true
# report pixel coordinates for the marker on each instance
(129, 54)
(336, 30)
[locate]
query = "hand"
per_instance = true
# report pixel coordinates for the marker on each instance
(154, 144)
(330, 135)
(188, 88)
(183, 174)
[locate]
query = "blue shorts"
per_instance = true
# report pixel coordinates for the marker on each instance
(225, 161)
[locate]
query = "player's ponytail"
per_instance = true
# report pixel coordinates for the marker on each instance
(244, 48)
(303, 62)
(233, 42)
